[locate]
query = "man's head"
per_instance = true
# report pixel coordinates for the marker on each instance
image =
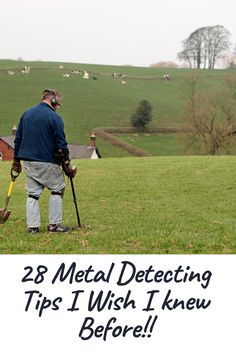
(52, 97)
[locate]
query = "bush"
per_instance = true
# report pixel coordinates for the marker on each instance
(142, 116)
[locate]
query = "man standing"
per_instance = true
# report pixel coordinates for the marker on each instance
(40, 141)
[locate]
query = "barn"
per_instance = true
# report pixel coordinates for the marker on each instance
(85, 151)
(7, 146)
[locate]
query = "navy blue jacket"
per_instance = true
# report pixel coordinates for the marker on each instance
(39, 135)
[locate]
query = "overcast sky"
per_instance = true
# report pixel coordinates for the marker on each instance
(115, 32)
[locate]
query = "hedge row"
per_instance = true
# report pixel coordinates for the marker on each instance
(107, 134)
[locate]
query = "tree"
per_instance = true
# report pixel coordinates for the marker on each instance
(211, 117)
(205, 46)
(142, 116)
(186, 54)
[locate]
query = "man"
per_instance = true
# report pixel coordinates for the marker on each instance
(40, 141)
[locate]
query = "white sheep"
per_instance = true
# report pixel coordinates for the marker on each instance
(166, 77)
(85, 75)
(11, 72)
(118, 75)
(26, 70)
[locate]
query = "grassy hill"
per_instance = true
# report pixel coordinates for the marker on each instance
(97, 103)
(135, 205)
(169, 204)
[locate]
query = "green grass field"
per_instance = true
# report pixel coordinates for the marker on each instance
(154, 205)
(103, 102)
(168, 144)
(163, 144)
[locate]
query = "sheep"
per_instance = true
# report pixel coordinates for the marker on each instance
(61, 67)
(118, 75)
(26, 70)
(123, 82)
(85, 75)
(166, 77)
(66, 75)
(11, 72)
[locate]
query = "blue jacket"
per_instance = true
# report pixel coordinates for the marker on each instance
(39, 135)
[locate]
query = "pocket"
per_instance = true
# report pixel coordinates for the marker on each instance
(56, 170)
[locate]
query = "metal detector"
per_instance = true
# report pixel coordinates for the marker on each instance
(75, 201)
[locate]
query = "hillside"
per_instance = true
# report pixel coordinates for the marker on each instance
(182, 205)
(99, 102)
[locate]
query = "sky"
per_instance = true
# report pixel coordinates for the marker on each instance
(110, 32)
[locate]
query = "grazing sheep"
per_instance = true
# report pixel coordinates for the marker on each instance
(11, 72)
(124, 82)
(118, 75)
(166, 77)
(85, 75)
(66, 75)
(61, 67)
(26, 70)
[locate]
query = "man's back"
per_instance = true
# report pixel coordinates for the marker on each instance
(39, 134)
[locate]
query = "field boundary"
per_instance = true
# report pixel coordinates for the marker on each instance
(108, 134)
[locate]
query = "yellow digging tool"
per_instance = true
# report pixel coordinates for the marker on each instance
(4, 213)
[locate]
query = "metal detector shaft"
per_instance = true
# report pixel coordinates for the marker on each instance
(75, 201)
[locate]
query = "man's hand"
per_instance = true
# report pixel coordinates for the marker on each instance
(16, 165)
(70, 171)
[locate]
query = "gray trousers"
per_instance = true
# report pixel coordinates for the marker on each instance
(38, 176)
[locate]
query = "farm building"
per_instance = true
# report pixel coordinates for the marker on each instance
(7, 146)
(76, 151)
(85, 151)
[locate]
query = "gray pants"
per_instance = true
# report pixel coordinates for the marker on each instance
(38, 176)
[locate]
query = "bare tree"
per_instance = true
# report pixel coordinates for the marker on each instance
(204, 46)
(186, 54)
(211, 117)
